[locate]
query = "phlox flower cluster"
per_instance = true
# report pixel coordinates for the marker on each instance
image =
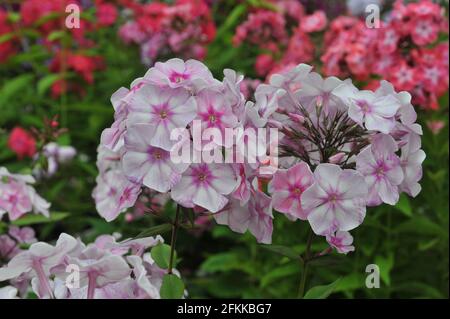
(18, 196)
(135, 151)
(160, 29)
(405, 50)
(282, 34)
(70, 269)
(343, 149)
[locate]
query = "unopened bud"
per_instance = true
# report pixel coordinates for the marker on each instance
(336, 158)
(297, 118)
(275, 123)
(319, 101)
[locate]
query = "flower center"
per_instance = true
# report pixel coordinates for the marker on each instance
(365, 107)
(333, 198)
(163, 114)
(13, 199)
(157, 155)
(212, 118)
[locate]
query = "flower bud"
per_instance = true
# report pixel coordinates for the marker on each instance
(336, 158)
(297, 118)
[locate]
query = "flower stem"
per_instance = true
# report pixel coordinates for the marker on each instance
(91, 285)
(174, 238)
(305, 261)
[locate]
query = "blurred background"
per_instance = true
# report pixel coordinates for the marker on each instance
(56, 83)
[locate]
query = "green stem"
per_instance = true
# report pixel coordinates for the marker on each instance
(174, 238)
(305, 261)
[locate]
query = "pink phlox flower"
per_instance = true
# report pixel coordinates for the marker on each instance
(341, 241)
(205, 185)
(287, 186)
(165, 109)
(336, 200)
(149, 165)
(376, 112)
(382, 170)
(114, 193)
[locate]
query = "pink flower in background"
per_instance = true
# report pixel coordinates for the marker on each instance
(15, 199)
(18, 197)
(8, 248)
(164, 109)
(25, 235)
(341, 241)
(263, 28)
(131, 32)
(22, 143)
(287, 186)
(205, 185)
(435, 126)
(114, 193)
(382, 170)
(314, 22)
(106, 14)
(56, 155)
(264, 63)
(425, 31)
(151, 166)
(336, 201)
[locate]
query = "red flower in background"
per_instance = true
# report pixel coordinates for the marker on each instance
(22, 143)
(264, 63)
(106, 14)
(82, 65)
(7, 48)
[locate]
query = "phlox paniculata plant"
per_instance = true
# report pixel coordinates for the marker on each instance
(339, 149)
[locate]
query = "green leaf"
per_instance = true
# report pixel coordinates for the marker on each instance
(283, 250)
(222, 262)
(46, 82)
(172, 287)
(161, 255)
(321, 292)
(55, 35)
(404, 206)
(13, 86)
(385, 264)
(6, 37)
(422, 225)
(350, 282)
(279, 273)
(39, 219)
(232, 19)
